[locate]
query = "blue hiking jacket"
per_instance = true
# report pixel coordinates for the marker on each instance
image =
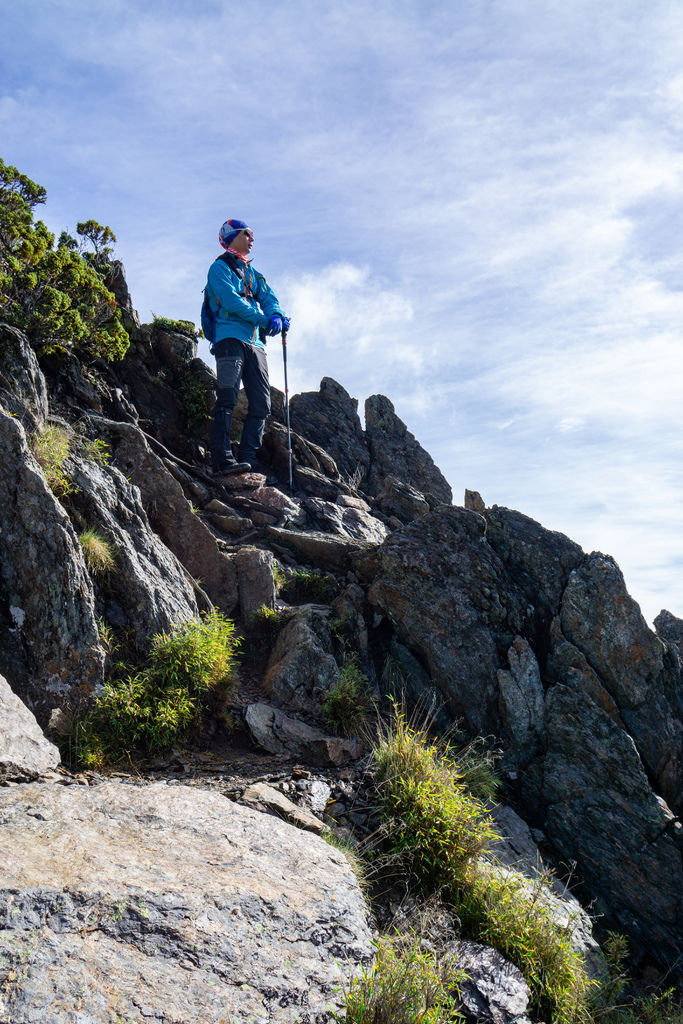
(242, 300)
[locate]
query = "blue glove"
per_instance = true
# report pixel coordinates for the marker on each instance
(286, 324)
(274, 325)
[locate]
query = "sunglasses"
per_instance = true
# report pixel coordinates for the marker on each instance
(248, 233)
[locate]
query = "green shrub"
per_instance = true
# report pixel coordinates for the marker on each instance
(437, 829)
(347, 702)
(165, 323)
(267, 621)
(97, 552)
(304, 585)
(197, 402)
(407, 984)
(608, 1005)
(153, 708)
(56, 293)
(51, 447)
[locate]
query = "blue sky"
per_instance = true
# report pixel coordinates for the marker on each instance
(471, 207)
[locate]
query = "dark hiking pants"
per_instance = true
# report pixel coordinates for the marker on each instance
(238, 362)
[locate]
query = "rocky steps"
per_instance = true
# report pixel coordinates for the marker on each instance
(115, 890)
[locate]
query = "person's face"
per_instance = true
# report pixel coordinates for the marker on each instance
(243, 242)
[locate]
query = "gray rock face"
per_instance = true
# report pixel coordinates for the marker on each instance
(447, 594)
(601, 811)
(169, 903)
(148, 583)
(324, 550)
(329, 417)
(493, 989)
(280, 734)
(22, 386)
(49, 645)
(522, 703)
(25, 752)
(170, 514)
(670, 629)
(263, 797)
(636, 668)
(399, 499)
(302, 666)
(345, 521)
(255, 580)
(395, 452)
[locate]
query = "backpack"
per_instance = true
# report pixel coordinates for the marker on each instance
(208, 319)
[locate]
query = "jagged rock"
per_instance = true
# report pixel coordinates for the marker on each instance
(282, 506)
(279, 734)
(522, 703)
(637, 669)
(353, 501)
(302, 666)
(325, 550)
(399, 499)
(116, 283)
(474, 501)
(395, 452)
(169, 902)
(492, 989)
(233, 524)
(600, 811)
(405, 678)
(148, 582)
(25, 753)
(175, 350)
(169, 513)
(314, 794)
(315, 484)
(49, 647)
(23, 390)
(450, 601)
(263, 797)
(255, 581)
(345, 521)
(329, 417)
(670, 628)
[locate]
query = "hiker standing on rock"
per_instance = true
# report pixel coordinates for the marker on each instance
(244, 310)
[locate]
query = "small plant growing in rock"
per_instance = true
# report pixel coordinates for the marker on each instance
(166, 323)
(304, 585)
(406, 984)
(153, 708)
(268, 621)
(97, 551)
(51, 447)
(96, 451)
(347, 703)
(197, 402)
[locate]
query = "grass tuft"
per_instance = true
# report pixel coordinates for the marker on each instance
(97, 551)
(347, 703)
(51, 447)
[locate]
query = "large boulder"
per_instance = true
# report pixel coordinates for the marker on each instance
(160, 902)
(25, 752)
(148, 585)
(345, 521)
(302, 667)
(279, 733)
(23, 390)
(450, 601)
(395, 452)
(49, 643)
(169, 512)
(329, 418)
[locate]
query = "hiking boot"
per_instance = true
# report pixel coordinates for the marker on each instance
(256, 467)
(230, 469)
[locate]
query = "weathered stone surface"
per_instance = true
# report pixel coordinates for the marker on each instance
(474, 501)
(302, 667)
(148, 582)
(282, 506)
(329, 417)
(522, 703)
(325, 550)
(399, 499)
(315, 484)
(405, 678)
(492, 989)
(449, 599)
(175, 350)
(670, 629)
(24, 751)
(169, 903)
(345, 521)
(169, 513)
(49, 646)
(394, 451)
(116, 283)
(637, 669)
(263, 797)
(254, 579)
(280, 734)
(601, 812)
(23, 390)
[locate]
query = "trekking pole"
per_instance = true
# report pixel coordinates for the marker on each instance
(289, 433)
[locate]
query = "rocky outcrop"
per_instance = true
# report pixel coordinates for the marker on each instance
(164, 902)
(25, 753)
(147, 591)
(395, 452)
(344, 521)
(302, 667)
(23, 390)
(492, 989)
(278, 733)
(49, 643)
(329, 417)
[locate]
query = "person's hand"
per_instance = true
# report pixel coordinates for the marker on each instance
(274, 325)
(286, 322)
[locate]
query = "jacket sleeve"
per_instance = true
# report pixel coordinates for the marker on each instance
(266, 297)
(222, 284)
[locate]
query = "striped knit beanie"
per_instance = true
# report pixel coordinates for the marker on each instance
(229, 231)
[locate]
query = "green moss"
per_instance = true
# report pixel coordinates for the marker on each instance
(165, 323)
